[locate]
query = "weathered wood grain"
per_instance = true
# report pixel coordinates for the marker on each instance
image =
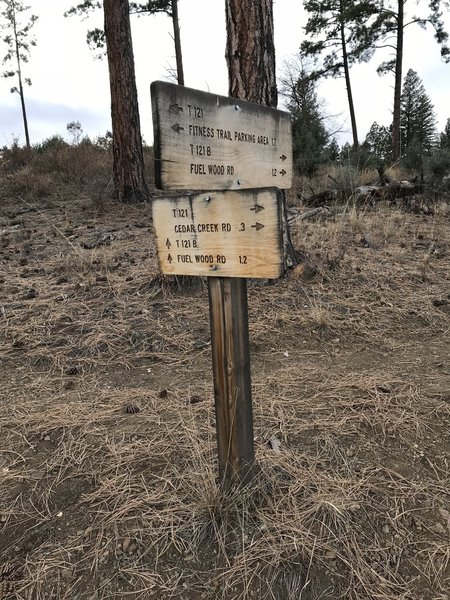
(204, 141)
(220, 234)
(232, 384)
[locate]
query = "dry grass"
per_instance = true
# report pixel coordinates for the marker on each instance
(108, 476)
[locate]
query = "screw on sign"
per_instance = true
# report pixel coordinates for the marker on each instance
(209, 142)
(240, 155)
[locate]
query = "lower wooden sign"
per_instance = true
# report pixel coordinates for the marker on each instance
(222, 234)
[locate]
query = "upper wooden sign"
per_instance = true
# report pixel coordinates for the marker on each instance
(204, 141)
(223, 234)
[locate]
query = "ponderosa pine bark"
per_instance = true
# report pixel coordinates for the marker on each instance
(128, 161)
(396, 117)
(250, 51)
(250, 55)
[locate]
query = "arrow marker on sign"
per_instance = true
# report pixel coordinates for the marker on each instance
(177, 128)
(258, 226)
(170, 259)
(168, 244)
(257, 208)
(175, 108)
(283, 157)
(282, 172)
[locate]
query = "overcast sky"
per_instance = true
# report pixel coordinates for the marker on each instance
(69, 85)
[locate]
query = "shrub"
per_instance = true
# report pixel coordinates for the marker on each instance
(438, 164)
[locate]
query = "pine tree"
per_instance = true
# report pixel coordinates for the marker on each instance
(19, 41)
(128, 162)
(418, 124)
(445, 136)
(379, 142)
(337, 31)
(391, 23)
(309, 134)
(439, 162)
(333, 150)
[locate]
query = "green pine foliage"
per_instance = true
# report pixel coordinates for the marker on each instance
(333, 151)
(309, 135)
(96, 37)
(337, 37)
(438, 164)
(418, 121)
(445, 136)
(323, 33)
(378, 142)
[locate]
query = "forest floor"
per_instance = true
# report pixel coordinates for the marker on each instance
(108, 474)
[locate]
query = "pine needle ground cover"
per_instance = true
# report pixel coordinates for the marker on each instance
(108, 475)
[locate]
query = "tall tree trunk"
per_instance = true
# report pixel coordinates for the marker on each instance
(24, 111)
(396, 122)
(19, 75)
(250, 55)
(347, 77)
(128, 161)
(250, 51)
(177, 40)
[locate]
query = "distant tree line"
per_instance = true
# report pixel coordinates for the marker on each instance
(337, 35)
(421, 145)
(340, 33)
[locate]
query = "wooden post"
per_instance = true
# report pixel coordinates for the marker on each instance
(232, 382)
(218, 144)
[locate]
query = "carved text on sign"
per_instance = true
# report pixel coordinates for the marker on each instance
(217, 234)
(204, 141)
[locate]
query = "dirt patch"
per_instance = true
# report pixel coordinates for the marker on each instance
(107, 460)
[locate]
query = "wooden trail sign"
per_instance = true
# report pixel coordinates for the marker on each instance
(208, 142)
(203, 141)
(221, 234)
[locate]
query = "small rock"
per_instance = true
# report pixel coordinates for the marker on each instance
(275, 444)
(385, 529)
(349, 452)
(47, 438)
(126, 544)
(133, 547)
